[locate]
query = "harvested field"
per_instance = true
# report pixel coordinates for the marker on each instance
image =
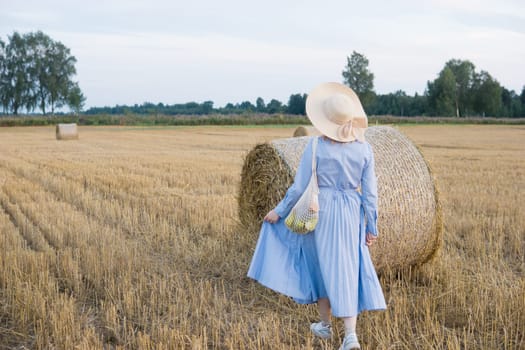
(129, 238)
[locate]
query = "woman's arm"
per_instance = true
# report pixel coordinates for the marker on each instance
(369, 195)
(302, 177)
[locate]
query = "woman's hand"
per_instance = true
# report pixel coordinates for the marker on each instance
(370, 239)
(272, 217)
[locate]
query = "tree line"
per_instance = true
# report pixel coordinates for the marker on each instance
(36, 73)
(458, 91)
(296, 106)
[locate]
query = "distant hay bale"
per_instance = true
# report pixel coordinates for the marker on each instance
(305, 131)
(67, 131)
(410, 222)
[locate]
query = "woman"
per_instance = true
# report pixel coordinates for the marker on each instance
(330, 266)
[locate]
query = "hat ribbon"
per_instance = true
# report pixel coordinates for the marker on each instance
(345, 130)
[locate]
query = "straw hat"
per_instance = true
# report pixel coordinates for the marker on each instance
(335, 110)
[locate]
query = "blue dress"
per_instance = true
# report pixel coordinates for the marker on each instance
(333, 261)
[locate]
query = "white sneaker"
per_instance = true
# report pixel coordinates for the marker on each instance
(321, 330)
(350, 342)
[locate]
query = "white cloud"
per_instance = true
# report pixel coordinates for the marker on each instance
(32, 16)
(484, 7)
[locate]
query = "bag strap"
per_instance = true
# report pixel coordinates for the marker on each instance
(314, 149)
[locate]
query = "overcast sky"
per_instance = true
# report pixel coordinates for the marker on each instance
(172, 51)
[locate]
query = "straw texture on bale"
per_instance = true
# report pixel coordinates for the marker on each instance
(305, 131)
(67, 131)
(409, 222)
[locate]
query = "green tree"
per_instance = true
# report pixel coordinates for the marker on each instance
(465, 76)
(260, 106)
(76, 99)
(53, 67)
(402, 103)
(4, 101)
(247, 106)
(297, 104)
(207, 107)
(16, 79)
(358, 77)
(487, 95)
(274, 106)
(442, 94)
(419, 105)
(511, 104)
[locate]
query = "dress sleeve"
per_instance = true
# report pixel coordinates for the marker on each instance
(302, 177)
(369, 189)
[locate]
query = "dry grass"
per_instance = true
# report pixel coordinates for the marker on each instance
(129, 239)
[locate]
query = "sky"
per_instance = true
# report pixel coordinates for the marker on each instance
(173, 51)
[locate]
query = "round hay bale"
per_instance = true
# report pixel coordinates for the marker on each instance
(409, 223)
(67, 131)
(305, 131)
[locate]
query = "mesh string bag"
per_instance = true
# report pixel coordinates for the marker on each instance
(305, 213)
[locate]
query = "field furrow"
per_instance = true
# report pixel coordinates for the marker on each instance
(34, 293)
(84, 269)
(84, 187)
(31, 233)
(108, 279)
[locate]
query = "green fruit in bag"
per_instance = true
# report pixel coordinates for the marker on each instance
(290, 220)
(310, 224)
